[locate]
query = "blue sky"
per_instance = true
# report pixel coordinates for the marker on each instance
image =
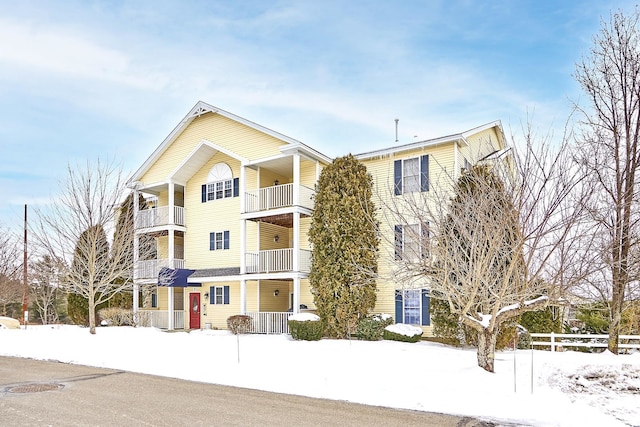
(87, 79)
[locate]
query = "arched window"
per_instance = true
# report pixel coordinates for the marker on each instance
(220, 183)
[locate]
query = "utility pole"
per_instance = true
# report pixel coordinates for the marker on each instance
(25, 296)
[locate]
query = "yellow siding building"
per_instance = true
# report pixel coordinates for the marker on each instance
(229, 207)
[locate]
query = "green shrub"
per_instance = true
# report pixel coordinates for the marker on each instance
(542, 321)
(239, 324)
(370, 328)
(307, 330)
(78, 309)
(402, 332)
(524, 340)
(115, 316)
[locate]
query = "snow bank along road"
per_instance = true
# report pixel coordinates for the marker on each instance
(37, 393)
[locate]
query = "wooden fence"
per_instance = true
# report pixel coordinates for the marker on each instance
(559, 341)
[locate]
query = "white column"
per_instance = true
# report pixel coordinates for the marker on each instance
(296, 180)
(171, 247)
(243, 246)
(136, 256)
(242, 188)
(296, 241)
(172, 196)
(171, 234)
(170, 308)
(296, 294)
(243, 296)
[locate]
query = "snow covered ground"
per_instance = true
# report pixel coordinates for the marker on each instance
(569, 388)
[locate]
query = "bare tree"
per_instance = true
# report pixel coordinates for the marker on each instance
(78, 231)
(610, 77)
(45, 288)
(11, 289)
(503, 240)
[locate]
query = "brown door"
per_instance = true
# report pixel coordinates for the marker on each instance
(194, 311)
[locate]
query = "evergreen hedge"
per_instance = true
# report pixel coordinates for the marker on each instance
(370, 328)
(307, 330)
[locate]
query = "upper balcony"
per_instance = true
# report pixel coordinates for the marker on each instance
(277, 261)
(159, 216)
(278, 196)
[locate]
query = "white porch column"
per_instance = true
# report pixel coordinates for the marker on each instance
(242, 188)
(136, 256)
(296, 241)
(172, 196)
(296, 180)
(171, 248)
(170, 325)
(243, 296)
(296, 294)
(243, 246)
(171, 234)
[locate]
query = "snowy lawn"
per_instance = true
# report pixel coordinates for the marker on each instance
(569, 388)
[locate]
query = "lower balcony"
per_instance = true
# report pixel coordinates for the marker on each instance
(151, 268)
(149, 218)
(277, 261)
(160, 319)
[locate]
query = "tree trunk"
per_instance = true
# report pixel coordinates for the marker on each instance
(616, 317)
(92, 312)
(486, 349)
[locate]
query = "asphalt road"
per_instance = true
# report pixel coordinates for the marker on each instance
(39, 393)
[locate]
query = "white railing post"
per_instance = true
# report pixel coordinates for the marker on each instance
(553, 342)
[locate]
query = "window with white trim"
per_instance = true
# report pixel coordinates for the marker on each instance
(218, 240)
(412, 307)
(411, 175)
(219, 295)
(411, 241)
(220, 184)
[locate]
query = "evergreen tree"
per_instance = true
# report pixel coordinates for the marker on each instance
(343, 234)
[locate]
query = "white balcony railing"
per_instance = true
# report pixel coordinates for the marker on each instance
(265, 322)
(160, 319)
(276, 260)
(159, 216)
(277, 196)
(150, 269)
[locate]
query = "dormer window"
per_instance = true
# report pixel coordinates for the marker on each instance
(220, 183)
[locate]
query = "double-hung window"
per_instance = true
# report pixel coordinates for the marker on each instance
(220, 184)
(412, 307)
(219, 295)
(411, 242)
(411, 175)
(220, 190)
(218, 240)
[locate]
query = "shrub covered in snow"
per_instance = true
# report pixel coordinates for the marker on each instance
(239, 324)
(115, 316)
(402, 332)
(305, 326)
(370, 327)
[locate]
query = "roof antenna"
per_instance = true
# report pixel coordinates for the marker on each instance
(397, 120)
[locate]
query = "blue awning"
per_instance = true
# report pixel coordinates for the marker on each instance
(176, 278)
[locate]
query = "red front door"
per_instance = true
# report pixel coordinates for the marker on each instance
(194, 311)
